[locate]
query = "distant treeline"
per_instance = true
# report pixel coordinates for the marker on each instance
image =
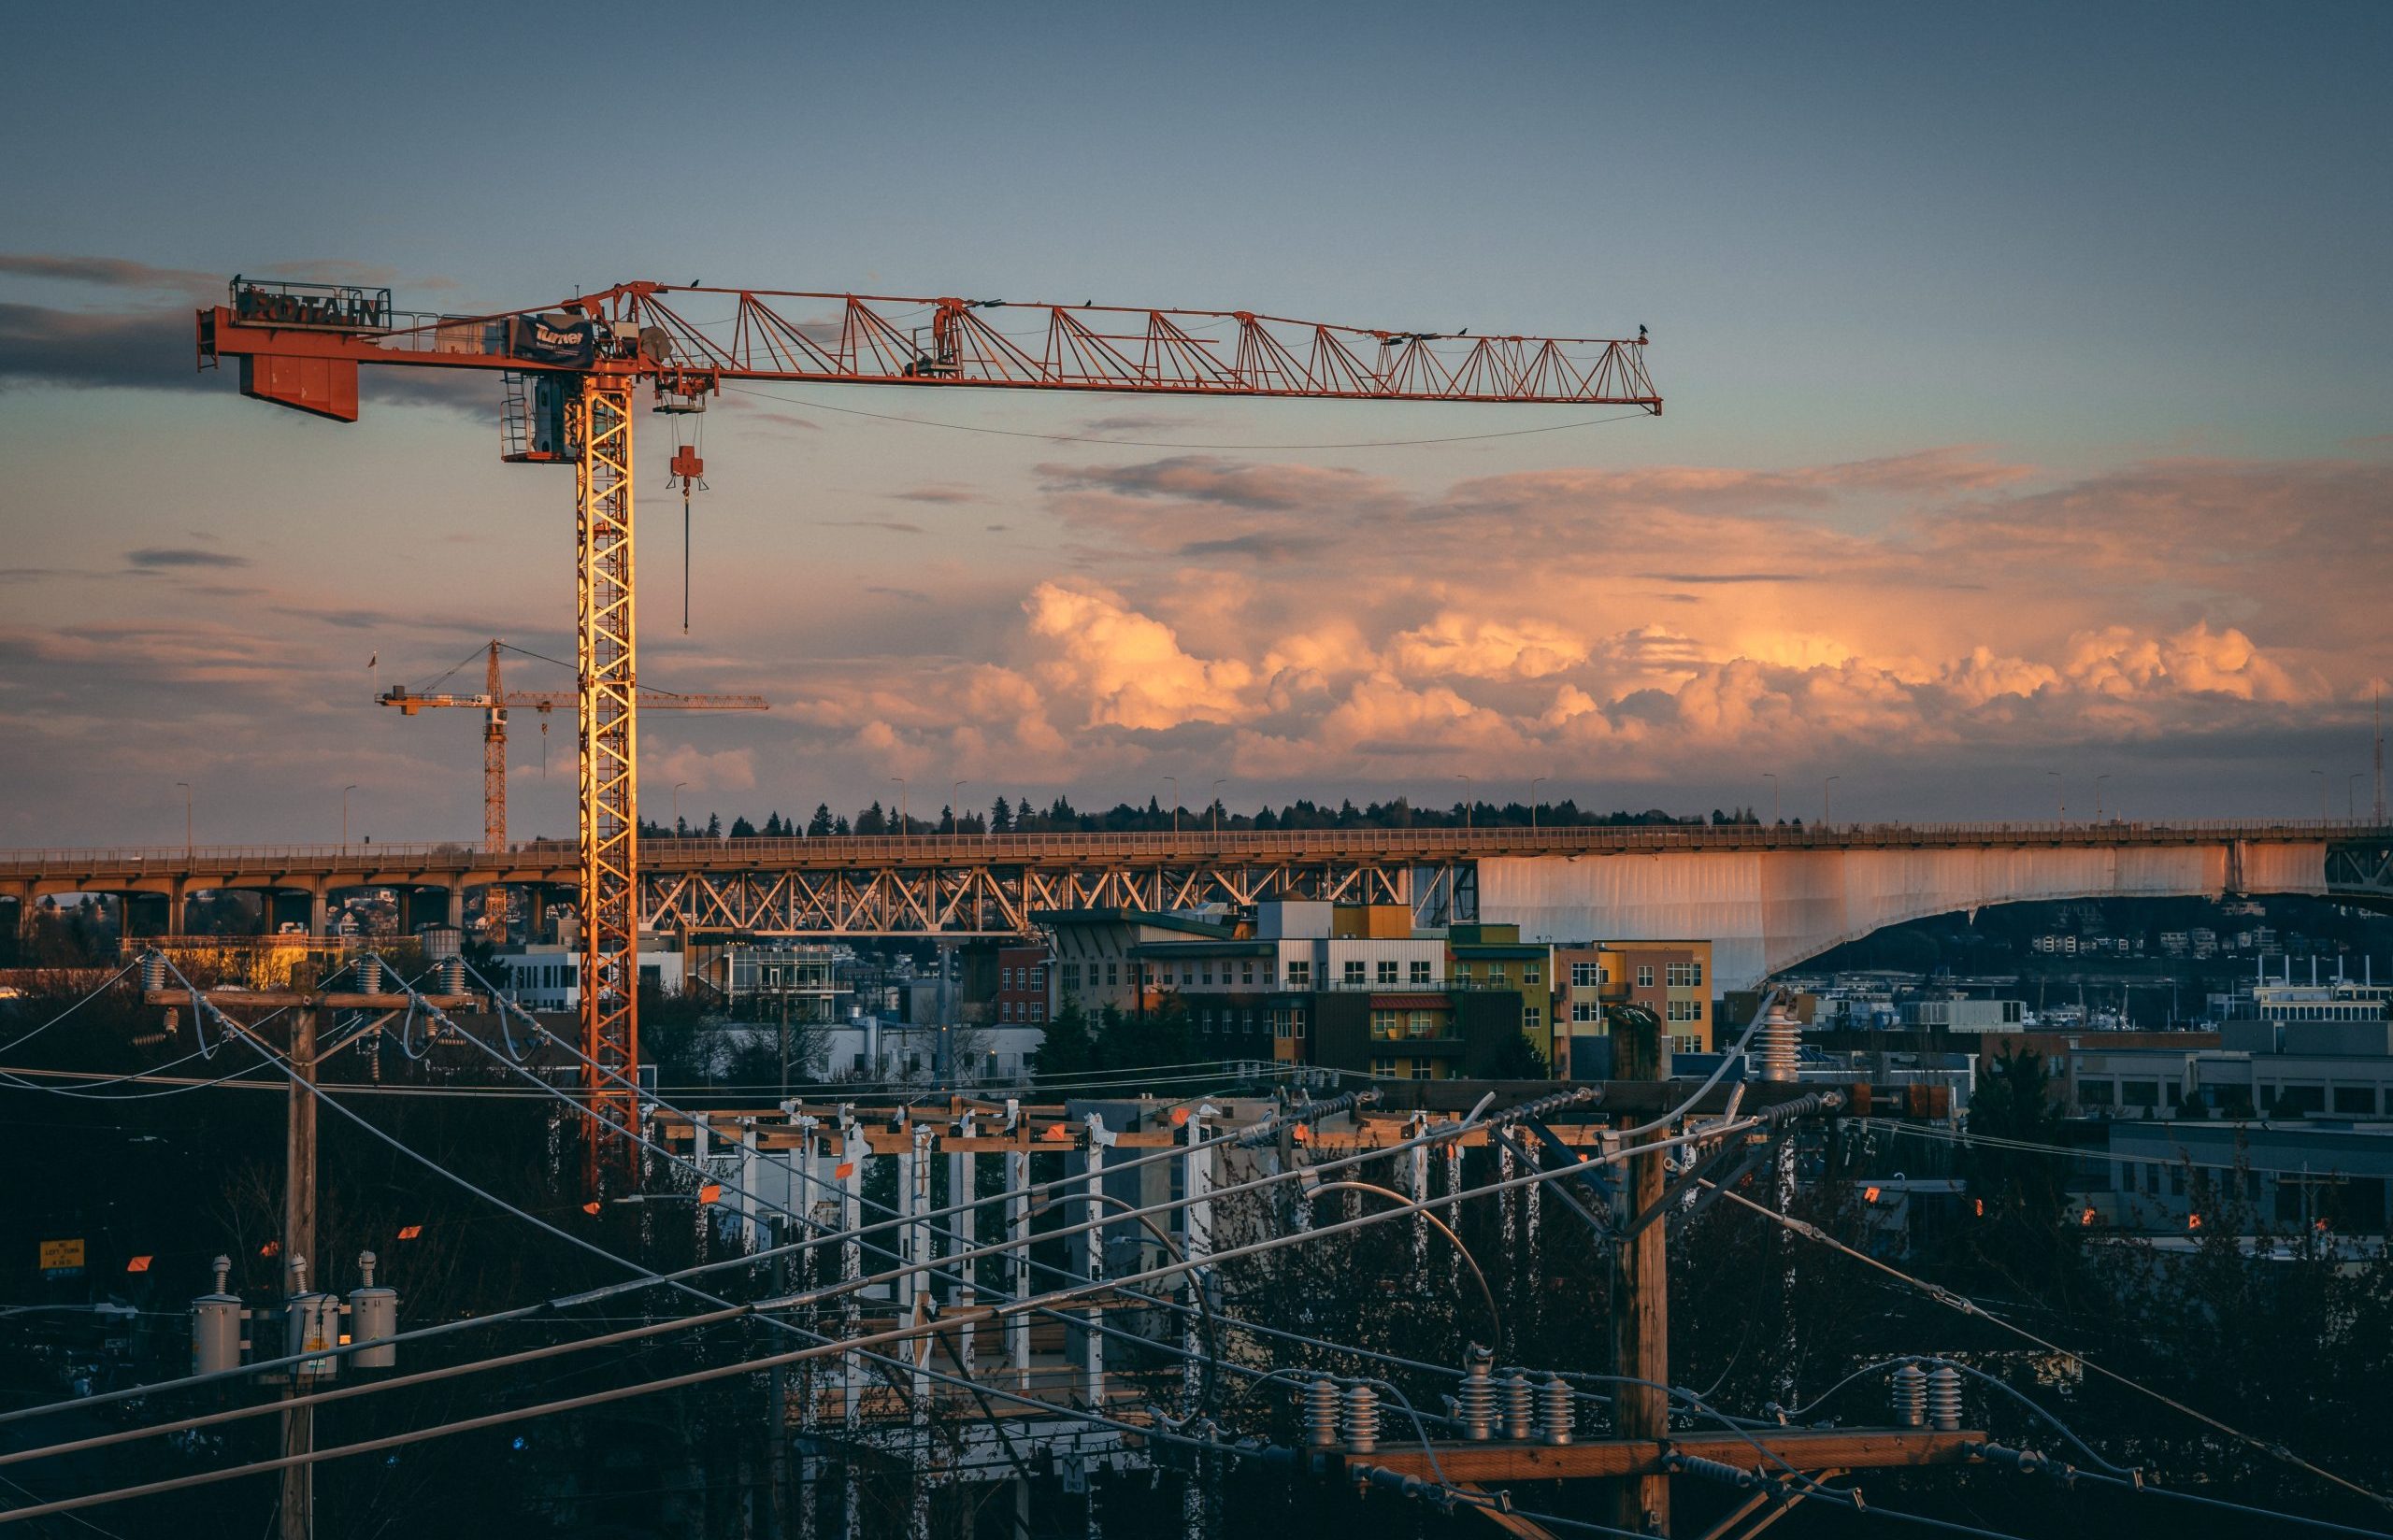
(1022, 815)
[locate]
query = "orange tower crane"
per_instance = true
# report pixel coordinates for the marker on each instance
(496, 702)
(571, 369)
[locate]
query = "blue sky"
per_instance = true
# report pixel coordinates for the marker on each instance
(2117, 269)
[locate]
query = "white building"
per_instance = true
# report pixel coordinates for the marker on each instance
(550, 979)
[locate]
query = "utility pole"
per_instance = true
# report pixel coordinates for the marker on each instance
(1641, 1295)
(298, 1512)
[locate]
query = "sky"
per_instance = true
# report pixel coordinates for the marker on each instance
(2028, 436)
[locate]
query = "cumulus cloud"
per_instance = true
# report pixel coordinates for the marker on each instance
(1128, 667)
(1484, 647)
(725, 770)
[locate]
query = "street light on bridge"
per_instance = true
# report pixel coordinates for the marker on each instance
(1825, 784)
(187, 844)
(677, 808)
(955, 806)
(1534, 784)
(1469, 796)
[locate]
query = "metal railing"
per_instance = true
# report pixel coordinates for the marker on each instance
(1255, 846)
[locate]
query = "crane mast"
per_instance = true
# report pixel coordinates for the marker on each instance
(574, 366)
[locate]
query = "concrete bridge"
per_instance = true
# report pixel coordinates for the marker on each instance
(1769, 897)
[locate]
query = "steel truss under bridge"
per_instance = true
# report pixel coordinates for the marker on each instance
(942, 899)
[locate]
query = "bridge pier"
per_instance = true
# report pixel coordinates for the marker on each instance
(317, 922)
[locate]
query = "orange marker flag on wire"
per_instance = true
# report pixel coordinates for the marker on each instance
(137, 1265)
(844, 1170)
(1056, 1130)
(1180, 1117)
(710, 1193)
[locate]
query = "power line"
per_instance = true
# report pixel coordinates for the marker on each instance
(1968, 1307)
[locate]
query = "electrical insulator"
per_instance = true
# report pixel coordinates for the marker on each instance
(369, 975)
(372, 1312)
(215, 1327)
(312, 1324)
(967, 1299)
(1362, 1419)
(1520, 1409)
(1945, 1399)
(1780, 1034)
(1910, 1397)
(1320, 1402)
(153, 971)
(452, 976)
(1554, 1395)
(1477, 1402)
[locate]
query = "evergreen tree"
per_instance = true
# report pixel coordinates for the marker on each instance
(821, 823)
(714, 826)
(742, 828)
(872, 820)
(1068, 1048)
(1001, 817)
(773, 829)
(840, 826)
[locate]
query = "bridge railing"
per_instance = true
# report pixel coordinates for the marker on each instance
(869, 850)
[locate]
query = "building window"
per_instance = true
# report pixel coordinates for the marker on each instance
(1683, 1010)
(1645, 975)
(1585, 1010)
(1353, 970)
(1532, 1019)
(1420, 970)
(2356, 1100)
(1495, 975)
(1299, 1015)
(1246, 1020)
(1584, 975)
(1282, 1023)
(1383, 1069)
(1300, 973)
(1209, 973)
(1383, 1023)
(1039, 1010)
(1071, 975)
(1532, 974)
(1423, 1069)
(1685, 1044)
(1423, 1023)
(1387, 970)
(1246, 971)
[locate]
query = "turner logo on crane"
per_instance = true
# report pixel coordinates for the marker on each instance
(567, 341)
